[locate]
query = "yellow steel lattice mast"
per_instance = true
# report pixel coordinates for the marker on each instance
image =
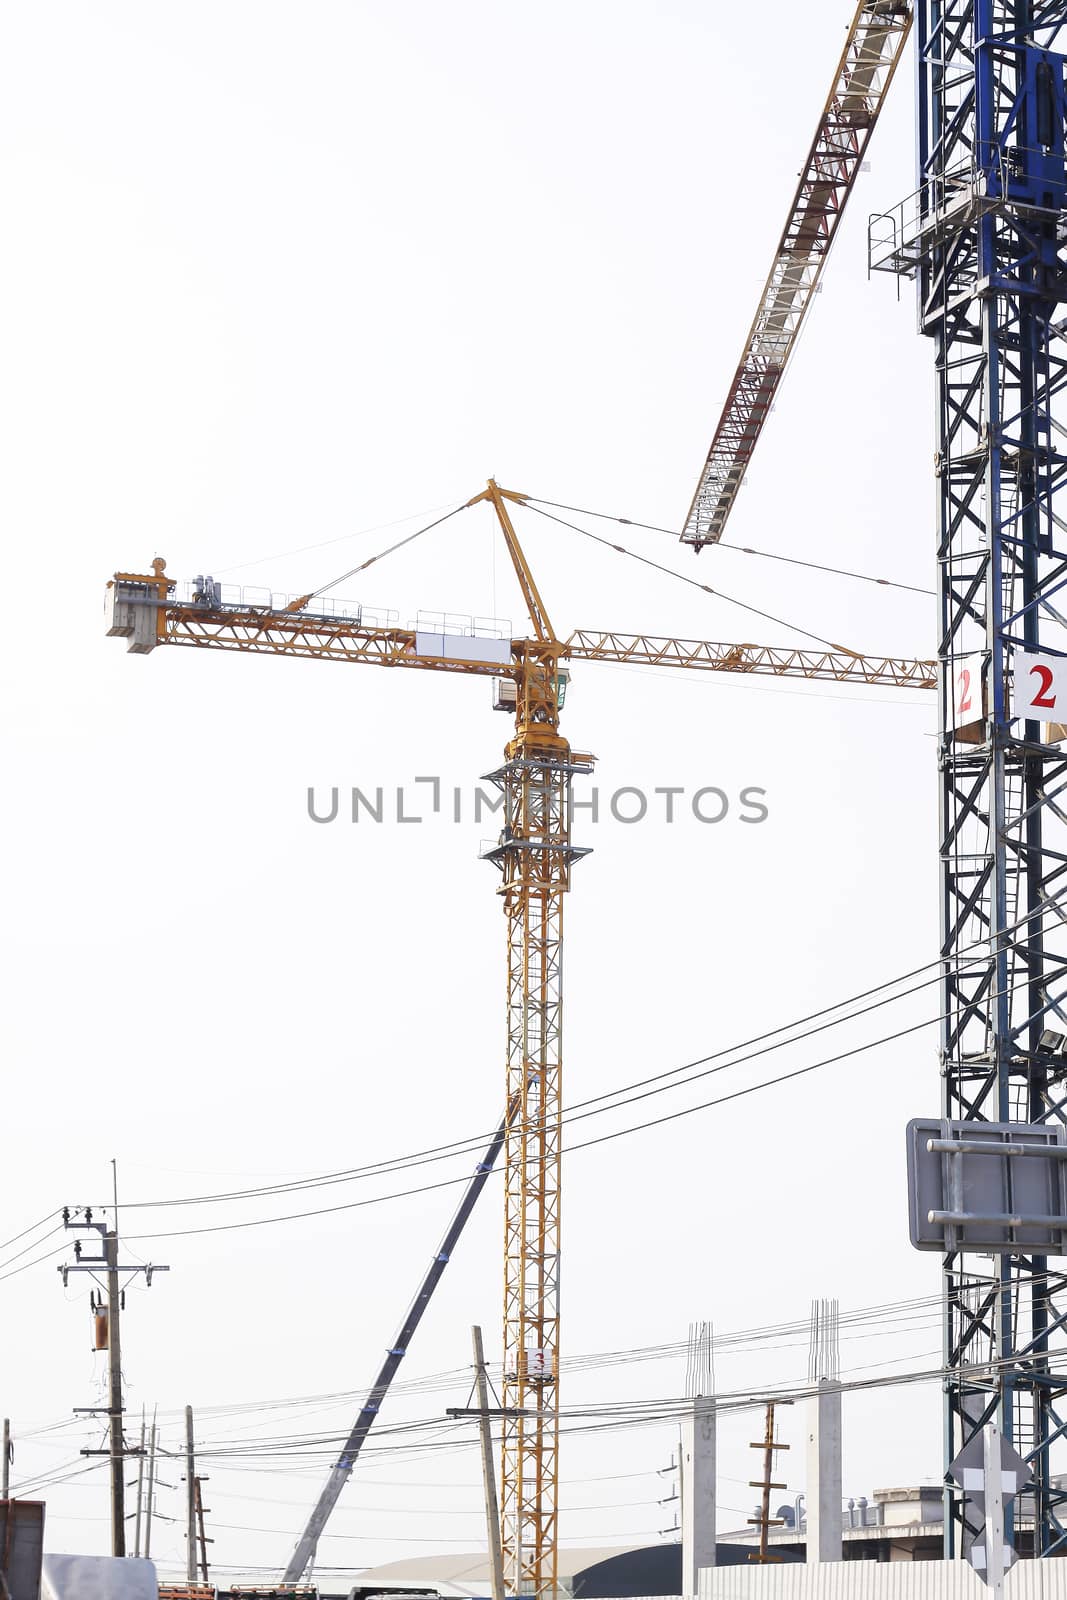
(535, 855)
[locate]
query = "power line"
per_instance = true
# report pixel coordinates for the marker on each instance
(390, 1538)
(33, 1246)
(577, 1111)
(614, 1416)
(26, 1265)
(574, 1115)
(605, 1138)
(32, 1229)
(473, 1143)
(51, 1481)
(585, 1144)
(746, 1340)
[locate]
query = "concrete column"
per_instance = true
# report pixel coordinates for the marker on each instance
(697, 1489)
(824, 1473)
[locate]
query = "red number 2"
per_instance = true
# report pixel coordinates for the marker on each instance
(965, 689)
(1042, 697)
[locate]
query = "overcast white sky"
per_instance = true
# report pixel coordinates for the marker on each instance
(274, 275)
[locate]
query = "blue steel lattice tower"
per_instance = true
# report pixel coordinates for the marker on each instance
(983, 238)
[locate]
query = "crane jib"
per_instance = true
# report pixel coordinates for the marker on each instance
(875, 41)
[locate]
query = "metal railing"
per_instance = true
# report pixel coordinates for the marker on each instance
(458, 624)
(899, 239)
(209, 594)
(212, 595)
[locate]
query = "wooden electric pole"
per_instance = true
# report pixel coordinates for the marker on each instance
(151, 1491)
(204, 1540)
(140, 1490)
(765, 1522)
(8, 1455)
(109, 1262)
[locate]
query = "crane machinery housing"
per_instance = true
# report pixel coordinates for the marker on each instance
(535, 855)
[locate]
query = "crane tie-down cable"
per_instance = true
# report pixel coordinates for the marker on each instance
(298, 605)
(694, 583)
(743, 549)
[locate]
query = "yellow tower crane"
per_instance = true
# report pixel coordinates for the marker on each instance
(534, 854)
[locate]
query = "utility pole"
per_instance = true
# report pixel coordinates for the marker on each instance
(109, 1261)
(204, 1540)
(8, 1456)
(190, 1499)
(140, 1489)
(697, 1459)
(492, 1506)
(151, 1490)
(114, 1397)
(672, 1499)
(823, 1542)
(765, 1522)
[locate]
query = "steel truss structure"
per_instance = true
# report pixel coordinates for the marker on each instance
(535, 855)
(983, 238)
(861, 79)
(277, 633)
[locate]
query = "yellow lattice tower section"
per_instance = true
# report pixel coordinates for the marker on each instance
(534, 855)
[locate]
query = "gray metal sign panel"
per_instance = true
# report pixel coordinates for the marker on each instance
(979, 1559)
(995, 1187)
(21, 1546)
(968, 1469)
(989, 1454)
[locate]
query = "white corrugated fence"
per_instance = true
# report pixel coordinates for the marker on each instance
(880, 1580)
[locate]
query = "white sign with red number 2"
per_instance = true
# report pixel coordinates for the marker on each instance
(1040, 687)
(967, 691)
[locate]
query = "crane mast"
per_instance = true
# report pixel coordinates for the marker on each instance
(535, 856)
(982, 237)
